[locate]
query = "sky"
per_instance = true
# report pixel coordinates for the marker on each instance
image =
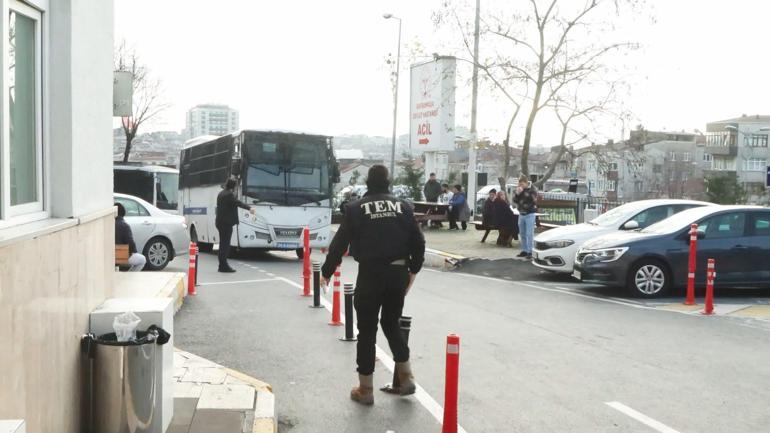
(320, 66)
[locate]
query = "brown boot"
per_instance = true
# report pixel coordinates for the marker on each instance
(405, 378)
(364, 392)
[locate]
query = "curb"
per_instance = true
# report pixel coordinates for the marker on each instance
(443, 260)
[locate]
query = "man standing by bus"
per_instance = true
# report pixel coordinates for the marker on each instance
(227, 217)
(389, 247)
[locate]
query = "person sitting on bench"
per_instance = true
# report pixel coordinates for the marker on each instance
(123, 236)
(488, 214)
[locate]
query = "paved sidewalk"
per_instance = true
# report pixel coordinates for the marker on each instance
(210, 398)
(467, 243)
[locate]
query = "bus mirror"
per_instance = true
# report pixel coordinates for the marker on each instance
(235, 168)
(335, 172)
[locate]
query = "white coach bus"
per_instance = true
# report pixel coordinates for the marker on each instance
(287, 177)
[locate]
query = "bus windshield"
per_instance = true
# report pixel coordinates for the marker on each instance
(286, 174)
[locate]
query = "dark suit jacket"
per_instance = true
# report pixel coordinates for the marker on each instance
(227, 208)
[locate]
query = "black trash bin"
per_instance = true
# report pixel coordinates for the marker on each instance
(124, 396)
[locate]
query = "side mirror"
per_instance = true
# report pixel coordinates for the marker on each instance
(235, 167)
(701, 234)
(631, 225)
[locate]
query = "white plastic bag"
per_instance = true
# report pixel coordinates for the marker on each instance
(125, 326)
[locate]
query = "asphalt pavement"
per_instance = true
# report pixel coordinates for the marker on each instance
(535, 356)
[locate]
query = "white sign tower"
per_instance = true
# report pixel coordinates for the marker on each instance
(431, 112)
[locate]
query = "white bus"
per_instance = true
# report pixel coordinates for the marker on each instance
(287, 177)
(155, 184)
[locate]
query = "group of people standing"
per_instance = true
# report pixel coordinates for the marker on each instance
(498, 214)
(459, 211)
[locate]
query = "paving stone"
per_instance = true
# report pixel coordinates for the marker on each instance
(227, 397)
(187, 390)
(213, 375)
(217, 421)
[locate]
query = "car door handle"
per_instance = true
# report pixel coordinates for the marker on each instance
(740, 247)
(147, 223)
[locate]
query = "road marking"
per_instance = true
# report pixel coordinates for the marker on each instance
(642, 418)
(428, 402)
(238, 282)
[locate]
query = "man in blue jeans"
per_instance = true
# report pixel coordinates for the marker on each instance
(526, 201)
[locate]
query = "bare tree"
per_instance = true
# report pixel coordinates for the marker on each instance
(148, 99)
(541, 48)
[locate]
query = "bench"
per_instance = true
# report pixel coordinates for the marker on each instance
(480, 226)
(420, 217)
(121, 255)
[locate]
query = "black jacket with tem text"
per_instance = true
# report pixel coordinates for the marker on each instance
(380, 229)
(227, 208)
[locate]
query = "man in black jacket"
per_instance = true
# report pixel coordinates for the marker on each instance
(124, 236)
(227, 217)
(389, 247)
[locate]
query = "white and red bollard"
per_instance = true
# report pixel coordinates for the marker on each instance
(191, 274)
(336, 316)
(690, 300)
(450, 387)
(306, 262)
(711, 273)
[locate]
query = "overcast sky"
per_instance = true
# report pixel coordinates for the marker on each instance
(319, 66)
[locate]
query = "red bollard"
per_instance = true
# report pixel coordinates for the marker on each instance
(450, 388)
(710, 275)
(336, 321)
(690, 300)
(191, 273)
(306, 262)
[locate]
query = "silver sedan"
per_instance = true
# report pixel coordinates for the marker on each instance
(158, 235)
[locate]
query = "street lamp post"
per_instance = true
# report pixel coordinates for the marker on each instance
(395, 96)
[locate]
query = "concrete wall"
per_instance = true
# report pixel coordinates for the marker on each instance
(48, 286)
(53, 273)
(80, 106)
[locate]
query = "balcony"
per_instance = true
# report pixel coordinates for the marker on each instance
(730, 150)
(719, 173)
(758, 177)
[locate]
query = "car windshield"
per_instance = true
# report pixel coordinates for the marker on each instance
(678, 221)
(618, 215)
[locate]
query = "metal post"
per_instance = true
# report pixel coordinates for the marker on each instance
(316, 285)
(395, 104)
(470, 194)
(349, 291)
(405, 323)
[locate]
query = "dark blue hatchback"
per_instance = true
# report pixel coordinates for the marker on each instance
(653, 261)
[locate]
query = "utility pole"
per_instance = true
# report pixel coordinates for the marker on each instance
(471, 193)
(395, 100)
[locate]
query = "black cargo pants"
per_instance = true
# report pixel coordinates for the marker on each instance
(379, 287)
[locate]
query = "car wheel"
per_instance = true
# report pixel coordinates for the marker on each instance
(649, 278)
(158, 254)
(300, 253)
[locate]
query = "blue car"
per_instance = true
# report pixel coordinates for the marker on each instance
(651, 262)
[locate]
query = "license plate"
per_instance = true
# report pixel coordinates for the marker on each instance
(578, 275)
(288, 245)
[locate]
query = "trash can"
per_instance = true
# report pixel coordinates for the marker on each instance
(124, 389)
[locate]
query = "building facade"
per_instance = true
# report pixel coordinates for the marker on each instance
(739, 147)
(56, 215)
(211, 119)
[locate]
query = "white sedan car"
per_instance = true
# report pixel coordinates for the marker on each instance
(555, 249)
(160, 236)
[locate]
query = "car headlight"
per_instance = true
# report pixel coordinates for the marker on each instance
(605, 255)
(559, 244)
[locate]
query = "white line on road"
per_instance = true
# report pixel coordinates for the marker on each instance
(421, 395)
(642, 418)
(238, 282)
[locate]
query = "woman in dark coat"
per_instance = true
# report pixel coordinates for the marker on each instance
(504, 219)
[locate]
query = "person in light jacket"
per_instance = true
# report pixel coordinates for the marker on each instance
(458, 209)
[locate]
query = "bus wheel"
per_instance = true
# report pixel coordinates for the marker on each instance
(300, 253)
(203, 247)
